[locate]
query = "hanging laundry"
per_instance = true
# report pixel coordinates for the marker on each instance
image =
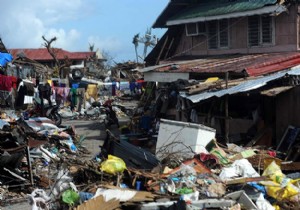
(29, 88)
(14, 82)
(50, 82)
(73, 94)
(124, 85)
(28, 99)
(80, 98)
(113, 89)
(118, 85)
(92, 91)
(5, 83)
(61, 94)
(75, 85)
(21, 92)
(132, 86)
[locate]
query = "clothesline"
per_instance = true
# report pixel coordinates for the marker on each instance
(26, 89)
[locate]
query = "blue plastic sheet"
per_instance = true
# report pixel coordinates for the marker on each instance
(5, 58)
(84, 196)
(259, 187)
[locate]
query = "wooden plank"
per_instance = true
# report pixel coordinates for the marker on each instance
(290, 166)
(244, 180)
(220, 84)
(161, 50)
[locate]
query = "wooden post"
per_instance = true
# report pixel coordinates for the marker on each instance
(161, 50)
(29, 165)
(226, 112)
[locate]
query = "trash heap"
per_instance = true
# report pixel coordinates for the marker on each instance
(32, 151)
(46, 166)
(224, 177)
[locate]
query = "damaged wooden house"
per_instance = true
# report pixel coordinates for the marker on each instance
(244, 61)
(87, 62)
(127, 71)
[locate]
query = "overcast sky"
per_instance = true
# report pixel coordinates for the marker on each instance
(108, 24)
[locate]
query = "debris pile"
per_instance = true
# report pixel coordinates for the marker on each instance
(40, 163)
(94, 110)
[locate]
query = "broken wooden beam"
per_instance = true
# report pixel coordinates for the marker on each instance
(244, 180)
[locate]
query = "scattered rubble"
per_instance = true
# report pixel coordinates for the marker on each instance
(40, 164)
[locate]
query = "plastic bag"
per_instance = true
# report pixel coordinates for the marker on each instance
(38, 198)
(279, 193)
(184, 190)
(113, 165)
(274, 172)
(241, 168)
(218, 152)
(70, 197)
(263, 204)
(186, 170)
(281, 187)
(191, 196)
(70, 144)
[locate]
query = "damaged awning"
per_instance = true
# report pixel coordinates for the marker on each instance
(242, 87)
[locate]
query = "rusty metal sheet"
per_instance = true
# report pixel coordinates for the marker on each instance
(252, 64)
(242, 87)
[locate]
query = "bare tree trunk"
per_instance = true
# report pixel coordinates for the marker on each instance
(136, 54)
(52, 52)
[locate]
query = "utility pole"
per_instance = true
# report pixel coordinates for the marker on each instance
(226, 111)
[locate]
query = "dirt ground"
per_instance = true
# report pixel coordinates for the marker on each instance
(94, 132)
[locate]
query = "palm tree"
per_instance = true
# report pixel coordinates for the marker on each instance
(135, 41)
(148, 40)
(91, 47)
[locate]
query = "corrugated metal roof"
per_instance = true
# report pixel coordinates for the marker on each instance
(242, 87)
(272, 65)
(270, 10)
(220, 7)
(172, 8)
(252, 64)
(42, 54)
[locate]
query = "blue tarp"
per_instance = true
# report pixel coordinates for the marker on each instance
(5, 58)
